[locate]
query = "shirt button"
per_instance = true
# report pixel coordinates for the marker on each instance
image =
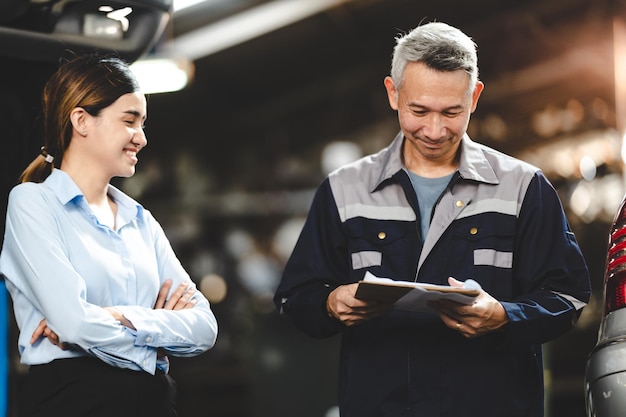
(473, 231)
(382, 235)
(459, 203)
(149, 339)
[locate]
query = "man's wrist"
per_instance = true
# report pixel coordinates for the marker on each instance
(329, 311)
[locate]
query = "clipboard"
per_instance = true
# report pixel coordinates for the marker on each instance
(413, 296)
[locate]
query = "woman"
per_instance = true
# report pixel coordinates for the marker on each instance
(99, 295)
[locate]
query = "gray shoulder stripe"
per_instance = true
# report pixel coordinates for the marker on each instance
(376, 212)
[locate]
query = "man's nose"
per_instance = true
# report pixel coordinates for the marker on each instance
(434, 126)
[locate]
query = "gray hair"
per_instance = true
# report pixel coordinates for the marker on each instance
(439, 46)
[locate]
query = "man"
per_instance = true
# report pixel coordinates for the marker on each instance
(435, 207)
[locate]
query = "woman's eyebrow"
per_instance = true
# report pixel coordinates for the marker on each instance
(135, 113)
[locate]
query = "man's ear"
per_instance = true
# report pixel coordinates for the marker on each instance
(392, 93)
(78, 117)
(476, 95)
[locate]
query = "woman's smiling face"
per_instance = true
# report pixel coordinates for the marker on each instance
(117, 134)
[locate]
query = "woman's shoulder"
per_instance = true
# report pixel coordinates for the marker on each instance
(28, 195)
(26, 190)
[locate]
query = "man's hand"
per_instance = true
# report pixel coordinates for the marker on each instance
(342, 305)
(485, 315)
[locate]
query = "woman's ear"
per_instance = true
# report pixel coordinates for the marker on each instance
(78, 117)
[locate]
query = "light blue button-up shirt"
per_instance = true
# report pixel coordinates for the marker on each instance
(61, 264)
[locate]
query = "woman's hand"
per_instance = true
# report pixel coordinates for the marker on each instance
(42, 330)
(117, 315)
(180, 298)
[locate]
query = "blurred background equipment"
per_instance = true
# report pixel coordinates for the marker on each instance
(42, 30)
(272, 95)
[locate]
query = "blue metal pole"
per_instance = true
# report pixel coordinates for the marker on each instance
(4, 349)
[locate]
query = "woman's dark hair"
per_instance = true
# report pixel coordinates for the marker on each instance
(92, 82)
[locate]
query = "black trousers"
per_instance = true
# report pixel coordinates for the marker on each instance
(87, 387)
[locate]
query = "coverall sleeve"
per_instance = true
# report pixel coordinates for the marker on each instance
(317, 265)
(549, 269)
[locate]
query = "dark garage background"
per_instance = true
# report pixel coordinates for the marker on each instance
(233, 160)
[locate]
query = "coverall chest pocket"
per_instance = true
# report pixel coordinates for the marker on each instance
(374, 243)
(489, 240)
(488, 245)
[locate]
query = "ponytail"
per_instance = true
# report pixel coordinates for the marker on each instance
(39, 169)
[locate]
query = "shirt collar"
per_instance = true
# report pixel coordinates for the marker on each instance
(67, 191)
(473, 164)
(389, 163)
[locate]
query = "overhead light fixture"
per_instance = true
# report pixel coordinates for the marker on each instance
(97, 26)
(118, 15)
(46, 30)
(247, 25)
(109, 23)
(184, 4)
(162, 74)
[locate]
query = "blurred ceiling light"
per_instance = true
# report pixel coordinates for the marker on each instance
(495, 127)
(183, 4)
(97, 26)
(587, 167)
(547, 122)
(337, 154)
(286, 236)
(214, 288)
(247, 25)
(611, 190)
(109, 24)
(259, 274)
(563, 156)
(580, 201)
(600, 109)
(619, 53)
(239, 243)
(597, 199)
(332, 412)
(563, 163)
(120, 16)
(575, 112)
(161, 74)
